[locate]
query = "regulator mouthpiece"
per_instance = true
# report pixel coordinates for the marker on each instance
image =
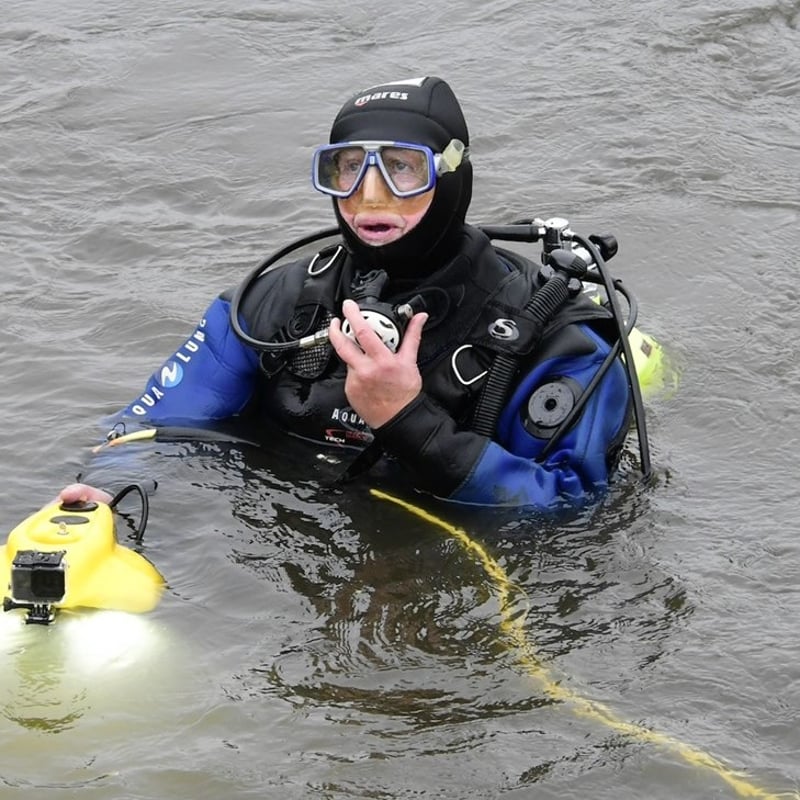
(389, 322)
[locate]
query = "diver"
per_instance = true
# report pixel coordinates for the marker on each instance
(411, 340)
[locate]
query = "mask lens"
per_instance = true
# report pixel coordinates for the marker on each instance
(407, 170)
(338, 170)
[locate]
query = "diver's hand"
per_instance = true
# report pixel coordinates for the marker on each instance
(82, 493)
(379, 383)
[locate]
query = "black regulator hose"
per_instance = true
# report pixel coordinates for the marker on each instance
(244, 287)
(633, 380)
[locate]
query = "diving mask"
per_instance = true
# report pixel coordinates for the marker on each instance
(408, 169)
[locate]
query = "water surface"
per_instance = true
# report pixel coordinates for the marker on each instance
(327, 643)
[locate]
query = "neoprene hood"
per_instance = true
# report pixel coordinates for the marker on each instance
(420, 111)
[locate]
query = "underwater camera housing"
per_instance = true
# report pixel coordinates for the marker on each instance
(38, 577)
(38, 580)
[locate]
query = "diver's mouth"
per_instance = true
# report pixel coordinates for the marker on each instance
(378, 231)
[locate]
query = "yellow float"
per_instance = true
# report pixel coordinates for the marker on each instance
(66, 556)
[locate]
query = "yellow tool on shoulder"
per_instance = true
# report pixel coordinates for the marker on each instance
(66, 556)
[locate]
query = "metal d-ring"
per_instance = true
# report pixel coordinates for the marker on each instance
(456, 371)
(328, 263)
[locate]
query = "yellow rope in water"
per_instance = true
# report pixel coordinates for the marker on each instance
(513, 628)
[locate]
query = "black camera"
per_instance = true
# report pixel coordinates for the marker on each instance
(38, 578)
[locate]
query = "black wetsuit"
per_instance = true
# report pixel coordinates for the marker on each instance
(215, 376)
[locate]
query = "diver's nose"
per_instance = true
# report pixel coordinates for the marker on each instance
(374, 188)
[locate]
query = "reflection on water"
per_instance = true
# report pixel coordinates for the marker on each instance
(404, 620)
(35, 695)
(54, 675)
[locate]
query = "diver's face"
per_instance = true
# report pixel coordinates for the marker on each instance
(376, 215)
